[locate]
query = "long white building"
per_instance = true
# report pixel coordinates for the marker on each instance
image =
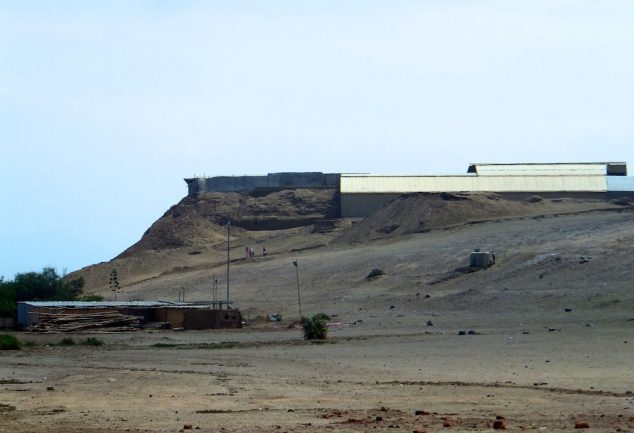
(363, 194)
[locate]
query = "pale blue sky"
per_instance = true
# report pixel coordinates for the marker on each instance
(106, 106)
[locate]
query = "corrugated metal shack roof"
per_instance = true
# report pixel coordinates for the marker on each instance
(109, 304)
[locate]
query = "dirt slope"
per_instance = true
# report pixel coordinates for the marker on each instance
(420, 212)
(202, 219)
(539, 245)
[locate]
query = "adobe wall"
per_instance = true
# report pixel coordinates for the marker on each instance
(271, 180)
(199, 318)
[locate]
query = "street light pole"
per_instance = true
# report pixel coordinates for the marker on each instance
(228, 245)
(299, 302)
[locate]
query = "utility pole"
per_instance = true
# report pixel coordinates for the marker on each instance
(299, 302)
(213, 287)
(228, 257)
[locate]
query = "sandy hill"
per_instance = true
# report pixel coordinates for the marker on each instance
(201, 220)
(551, 254)
(421, 212)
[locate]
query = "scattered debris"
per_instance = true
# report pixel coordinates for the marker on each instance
(499, 424)
(274, 317)
(111, 321)
(375, 273)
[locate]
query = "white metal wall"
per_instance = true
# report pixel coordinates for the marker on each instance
(354, 184)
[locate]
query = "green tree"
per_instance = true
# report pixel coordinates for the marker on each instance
(7, 298)
(47, 285)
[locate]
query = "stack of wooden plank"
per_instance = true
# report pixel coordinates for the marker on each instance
(108, 321)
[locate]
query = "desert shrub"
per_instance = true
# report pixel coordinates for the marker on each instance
(164, 345)
(9, 342)
(67, 341)
(322, 316)
(91, 341)
(315, 327)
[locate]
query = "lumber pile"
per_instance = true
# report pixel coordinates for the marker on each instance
(108, 321)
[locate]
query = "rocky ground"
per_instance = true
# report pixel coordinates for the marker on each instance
(364, 378)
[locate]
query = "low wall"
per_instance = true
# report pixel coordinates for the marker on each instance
(197, 318)
(271, 180)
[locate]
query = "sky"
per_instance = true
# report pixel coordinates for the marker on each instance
(106, 106)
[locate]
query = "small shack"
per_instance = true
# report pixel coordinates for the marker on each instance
(125, 315)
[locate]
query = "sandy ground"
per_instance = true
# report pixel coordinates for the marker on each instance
(554, 324)
(364, 378)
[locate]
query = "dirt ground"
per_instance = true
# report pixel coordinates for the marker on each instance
(361, 379)
(551, 345)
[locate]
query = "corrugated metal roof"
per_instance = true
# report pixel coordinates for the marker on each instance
(102, 304)
(471, 183)
(621, 183)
